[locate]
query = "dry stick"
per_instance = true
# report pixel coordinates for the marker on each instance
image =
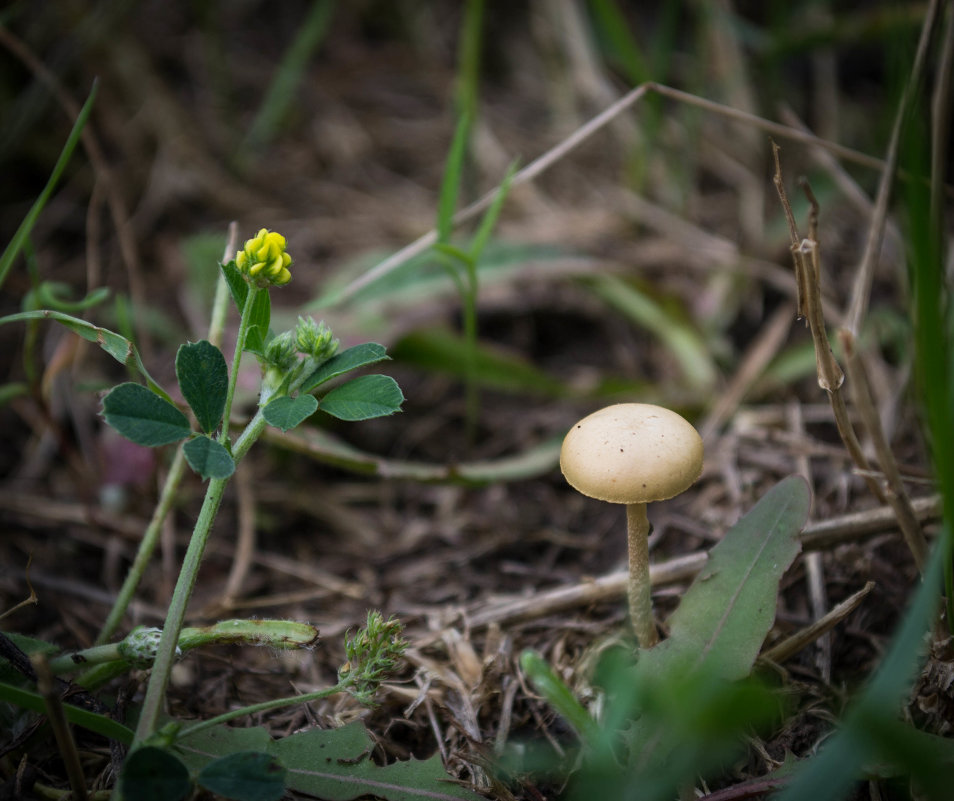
(895, 492)
(764, 347)
(820, 535)
(808, 283)
(46, 685)
(546, 160)
(861, 289)
(792, 645)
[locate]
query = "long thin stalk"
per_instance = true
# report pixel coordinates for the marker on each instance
(166, 654)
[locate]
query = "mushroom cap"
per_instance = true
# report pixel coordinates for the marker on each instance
(631, 453)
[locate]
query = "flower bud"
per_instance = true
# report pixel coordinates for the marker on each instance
(280, 351)
(263, 260)
(315, 339)
(141, 645)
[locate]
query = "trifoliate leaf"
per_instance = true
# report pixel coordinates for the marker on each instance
(208, 458)
(364, 397)
(204, 381)
(350, 359)
(143, 417)
(286, 413)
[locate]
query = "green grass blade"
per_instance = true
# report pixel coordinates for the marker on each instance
(453, 172)
(19, 238)
(27, 699)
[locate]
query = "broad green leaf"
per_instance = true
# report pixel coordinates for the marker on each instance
(120, 348)
(142, 416)
(331, 764)
(101, 724)
(350, 359)
(364, 397)
(204, 381)
(722, 620)
(335, 765)
(23, 231)
(154, 774)
(261, 314)
(245, 776)
(208, 458)
(286, 413)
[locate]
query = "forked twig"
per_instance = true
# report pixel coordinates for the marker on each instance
(808, 281)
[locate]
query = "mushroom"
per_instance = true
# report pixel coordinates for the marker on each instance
(633, 453)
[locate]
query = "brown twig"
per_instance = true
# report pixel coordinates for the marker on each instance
(894, 491)
(808, 280)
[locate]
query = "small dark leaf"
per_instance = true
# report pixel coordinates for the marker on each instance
(153, 774)
(245, 776)
(364, 397)
(350, 359)
(286, 413)
(143, 417)
(204, 381)
(208, 458)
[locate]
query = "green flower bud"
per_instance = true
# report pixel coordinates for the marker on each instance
(140, 647)
(315, 339)
(264, 260)
(280, 351)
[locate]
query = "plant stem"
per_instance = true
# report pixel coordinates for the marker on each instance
(237, 361)
(265, 706)
(166, 654)
(640, 587)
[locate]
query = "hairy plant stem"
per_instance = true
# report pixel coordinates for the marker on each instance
(168, 642)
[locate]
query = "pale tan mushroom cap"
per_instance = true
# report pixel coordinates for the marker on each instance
(632, 453)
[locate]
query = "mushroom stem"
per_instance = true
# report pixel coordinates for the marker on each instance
(640, 588)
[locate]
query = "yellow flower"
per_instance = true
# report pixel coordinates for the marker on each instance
(264, 259)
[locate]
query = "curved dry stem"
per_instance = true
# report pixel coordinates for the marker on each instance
(640, 587)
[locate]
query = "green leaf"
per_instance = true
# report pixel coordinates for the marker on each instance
(720, 624)
(245, 776)
(453, 170)
(143, 417)
(28, 699)
(331, 764)
(286, 413)
(120, 348)
(260, 317)
(154, 774)
(546, 682)
(335, 765)
(350, 359)
(363, 398)
(23, 232)
(208, 458)
(204, 381)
